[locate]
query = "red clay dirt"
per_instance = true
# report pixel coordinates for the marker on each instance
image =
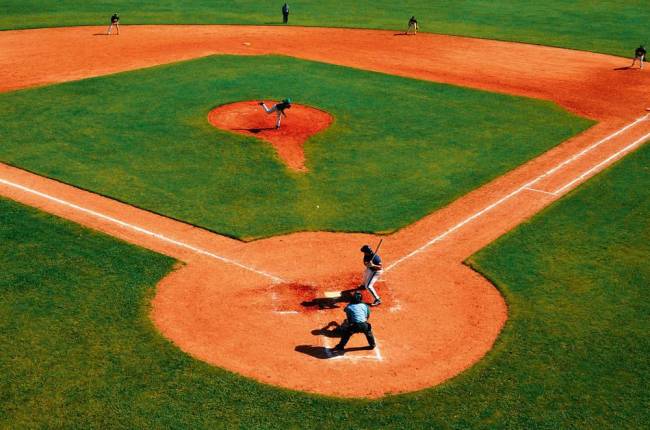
(241, 305)
(248, 118)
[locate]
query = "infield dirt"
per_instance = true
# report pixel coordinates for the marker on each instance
(440, 317)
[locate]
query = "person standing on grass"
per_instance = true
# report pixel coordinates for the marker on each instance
(285, 13)
(357, 314)
(639, 54)
(115, 21)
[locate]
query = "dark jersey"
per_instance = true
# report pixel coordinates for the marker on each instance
(640, 51)
(115, 18)
(376, 259)
(412, 21)
(282, 106)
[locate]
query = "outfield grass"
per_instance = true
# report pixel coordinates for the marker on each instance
(78, 350)
(398, 149)
(607, 26)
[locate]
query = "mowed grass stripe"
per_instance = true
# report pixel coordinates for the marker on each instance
(78, 350)
(398, 148)
(606, 26)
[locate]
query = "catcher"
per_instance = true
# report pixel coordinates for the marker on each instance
(357, 314)
(279, 108)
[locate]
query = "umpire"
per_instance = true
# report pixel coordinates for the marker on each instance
(357, 322)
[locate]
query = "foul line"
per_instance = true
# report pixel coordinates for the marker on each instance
(520, 189)
(142, 230)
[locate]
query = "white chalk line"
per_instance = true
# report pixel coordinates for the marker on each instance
(142, 230)
(507, 197)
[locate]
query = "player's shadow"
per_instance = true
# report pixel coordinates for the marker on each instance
(101, 34)
(323, 353)
(623, 68)
(329, 302)
(254, 130)
(332, 329)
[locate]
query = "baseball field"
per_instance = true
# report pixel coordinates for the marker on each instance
(172, 260)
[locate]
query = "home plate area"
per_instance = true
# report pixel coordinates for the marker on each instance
(328, 299)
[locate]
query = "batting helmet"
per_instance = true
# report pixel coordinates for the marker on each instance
(365, 248)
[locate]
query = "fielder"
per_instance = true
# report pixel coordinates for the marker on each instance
(279, 108)
(357, 314)
(639, 54)
(413, 25)
(373, 272)
(115, 21)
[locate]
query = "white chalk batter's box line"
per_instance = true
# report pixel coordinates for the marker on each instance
(375, 356)
(529, 185)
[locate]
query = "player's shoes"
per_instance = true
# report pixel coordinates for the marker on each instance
(376, 303)
(260, 103)
(337, 348)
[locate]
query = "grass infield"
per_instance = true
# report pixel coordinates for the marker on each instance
(607, 26)
(78, 350)
(398, 148)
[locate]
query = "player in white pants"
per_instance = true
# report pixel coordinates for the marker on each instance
(373, 272)
(279, 108)
(413, 26)
(115, 22)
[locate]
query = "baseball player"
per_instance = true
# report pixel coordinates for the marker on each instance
(115, 21)
(413, 25)
(639, 54)
(285, 13)
(279, 108)
(357, 314)
(374, 270)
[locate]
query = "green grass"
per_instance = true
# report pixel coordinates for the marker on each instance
(78, 350)
(607, 26)
(398, 148)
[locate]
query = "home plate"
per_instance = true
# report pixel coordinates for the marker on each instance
(332, 294)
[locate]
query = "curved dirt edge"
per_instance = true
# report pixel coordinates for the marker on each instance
(249, 119)
(583, 83)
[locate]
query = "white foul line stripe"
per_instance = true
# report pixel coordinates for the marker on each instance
(607, 160)
(142, 230)
(515, 192)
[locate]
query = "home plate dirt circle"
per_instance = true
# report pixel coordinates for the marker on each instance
(250, 119)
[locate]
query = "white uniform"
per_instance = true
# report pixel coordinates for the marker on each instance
(371, 275)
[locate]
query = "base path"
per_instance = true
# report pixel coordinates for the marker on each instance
(262, 309)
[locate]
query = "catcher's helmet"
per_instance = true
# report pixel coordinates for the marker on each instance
(357, 297)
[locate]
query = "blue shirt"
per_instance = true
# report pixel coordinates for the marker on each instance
(376, 259)
(357, 312)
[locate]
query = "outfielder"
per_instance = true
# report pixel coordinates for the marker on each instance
(279, 108)
(639, 54)
(115, 21)
(374, 270)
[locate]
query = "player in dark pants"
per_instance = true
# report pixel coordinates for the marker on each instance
(639, 54)
(285, 13)
(357, 314)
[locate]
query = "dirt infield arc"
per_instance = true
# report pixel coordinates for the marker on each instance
(229, 304)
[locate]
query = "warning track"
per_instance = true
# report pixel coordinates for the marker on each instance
(441, 317)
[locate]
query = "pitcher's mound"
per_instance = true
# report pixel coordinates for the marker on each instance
(250, 119)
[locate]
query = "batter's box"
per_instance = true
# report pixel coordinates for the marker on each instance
(299, 298)
(356, 349)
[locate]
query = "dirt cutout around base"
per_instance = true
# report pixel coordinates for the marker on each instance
(250, 119)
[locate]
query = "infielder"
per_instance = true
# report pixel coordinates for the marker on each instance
(357, 314)
(279, 108)
(413, 25)
(373, 272)
(115, 21)
(639, 54)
